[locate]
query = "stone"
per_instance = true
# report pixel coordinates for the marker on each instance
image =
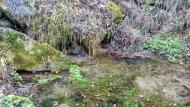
(18, 11)
(28, 54)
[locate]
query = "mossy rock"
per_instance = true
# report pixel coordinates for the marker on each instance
(28, 54)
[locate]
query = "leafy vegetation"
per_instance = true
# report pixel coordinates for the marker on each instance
(169, 47)
(17, 101)
(44, 79)
(16, 77)
(64, 65)
(72, 67)
(75, 71)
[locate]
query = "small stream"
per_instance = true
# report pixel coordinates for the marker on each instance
(111, 83)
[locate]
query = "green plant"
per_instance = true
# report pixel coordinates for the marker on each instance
(75, 71)
(170, 47)
(64, 65)
(44, 79)
(157, 99)
(72, 67)
(58, 68)
(17, 101)
(106, 90)
(131, 98)
(16, 77)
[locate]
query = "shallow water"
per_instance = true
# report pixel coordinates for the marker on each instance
(109, 80)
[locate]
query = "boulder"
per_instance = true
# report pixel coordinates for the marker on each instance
(27, 53)
(80, 22)
(83, 22)
(18, 11)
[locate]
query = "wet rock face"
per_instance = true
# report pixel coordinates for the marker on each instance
(173, 81)
(83, 22)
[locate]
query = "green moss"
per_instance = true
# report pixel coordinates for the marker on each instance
(39, 54)
(65, 65)
(111, 90)
(28, 54)
(73, 68)
(44, 79)
(105, 90)
(114, 9)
